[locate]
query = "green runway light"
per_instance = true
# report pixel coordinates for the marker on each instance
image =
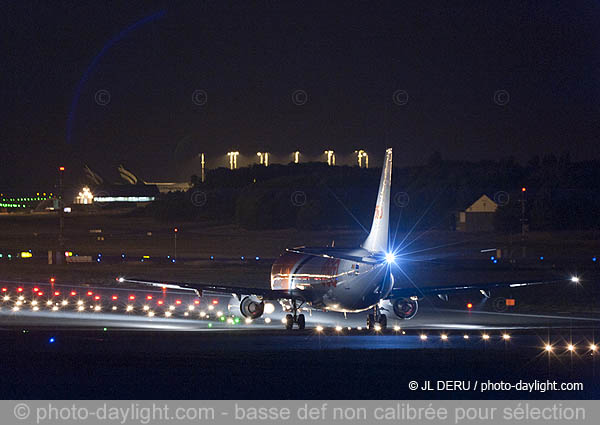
(222, 318)
(105, 329)
(210, 325)
(236, 320)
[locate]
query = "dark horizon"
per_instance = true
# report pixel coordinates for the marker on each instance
(151, 85)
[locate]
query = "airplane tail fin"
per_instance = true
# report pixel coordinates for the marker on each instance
(377, 240)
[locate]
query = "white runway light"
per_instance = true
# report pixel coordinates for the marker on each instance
(319, 328)
(505, 337)
(267, 320)
(423, 337)
(485, 336)
(548, 348)
(338, 328)
(444, 337)
(575, 279)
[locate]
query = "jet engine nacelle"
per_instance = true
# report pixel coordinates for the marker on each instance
(405, 308)
(252, 308)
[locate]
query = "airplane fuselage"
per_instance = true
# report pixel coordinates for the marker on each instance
(332, 283)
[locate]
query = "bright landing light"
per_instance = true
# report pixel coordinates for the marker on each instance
(390, 257)
(575, 279)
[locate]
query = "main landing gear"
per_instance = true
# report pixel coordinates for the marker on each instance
(376, 318)
(296, 318)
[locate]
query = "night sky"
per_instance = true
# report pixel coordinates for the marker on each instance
(152, 84)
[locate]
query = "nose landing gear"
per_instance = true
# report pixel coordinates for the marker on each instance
(296, 318)
(376, 318)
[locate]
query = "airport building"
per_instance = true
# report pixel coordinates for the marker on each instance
(478, 217)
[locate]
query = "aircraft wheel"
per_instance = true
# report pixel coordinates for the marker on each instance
(301, 322)
(370, 321)
(383, 321)
(289, 321)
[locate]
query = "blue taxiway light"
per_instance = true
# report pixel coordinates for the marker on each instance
(51, 340)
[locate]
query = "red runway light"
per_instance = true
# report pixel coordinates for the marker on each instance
(73, 293)
(4, 289)
(97, 297)
(61, 168)
(148, 297)
(215, 302)
(19, 289)
(132, 297)
(56, 293)
(196, 302)
(177, 302)
(114, 297)
(523, 189)
(52, 280)
(90, 293)
(36, 289)
(40, 293)
(160, 302)
(469, 306)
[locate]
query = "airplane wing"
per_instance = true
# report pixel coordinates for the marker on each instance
(237, 291)
(448, 289)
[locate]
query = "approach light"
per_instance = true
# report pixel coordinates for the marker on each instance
(548, 348)
(593, 347)
(505, 337)
(575, 279)
(81, 308)
(319, 328)
(465, 336)
(423, 337)
(129, 308)
(571, 347)
(338, 328)
(248, 320)
(168, 314)
(485, 336)
(267, 320)
(377, 327)
(397, 328)
(444, 337)
(390, 258)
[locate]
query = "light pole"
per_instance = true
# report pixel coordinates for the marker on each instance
(233, 159)
(330, 157)
(523, 222)
(175, 231)
(61, 216)
(202, 177)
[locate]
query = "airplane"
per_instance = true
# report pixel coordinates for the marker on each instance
(348, 280)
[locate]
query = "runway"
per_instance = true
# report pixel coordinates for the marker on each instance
(89, 345)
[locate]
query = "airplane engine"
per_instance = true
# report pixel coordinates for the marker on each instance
(405, 308)
(252, 308)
